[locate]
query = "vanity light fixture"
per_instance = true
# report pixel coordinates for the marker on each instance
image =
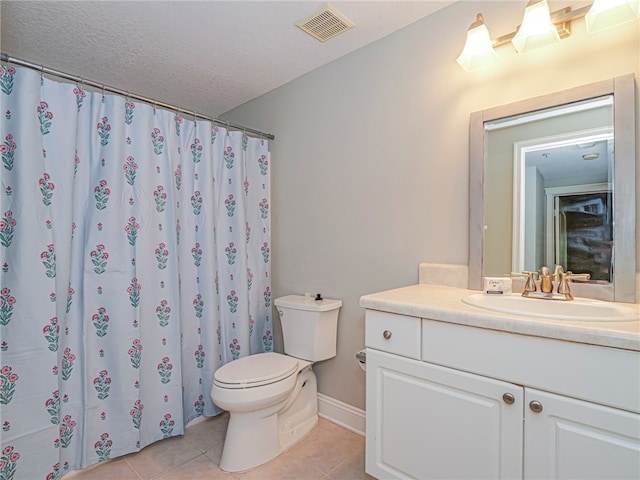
(478, 50)
(608, 13)
(537, 29)
(540, 28)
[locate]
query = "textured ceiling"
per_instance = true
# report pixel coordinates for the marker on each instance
(205, 56)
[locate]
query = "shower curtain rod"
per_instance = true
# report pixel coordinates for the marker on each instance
(105, 88)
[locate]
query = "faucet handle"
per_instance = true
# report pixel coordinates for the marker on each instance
(530, 284)
(563, 286)
(566, 278)
(578, 277)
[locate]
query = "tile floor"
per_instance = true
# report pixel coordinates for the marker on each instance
(329, 452)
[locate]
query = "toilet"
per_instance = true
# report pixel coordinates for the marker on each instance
(272, 397)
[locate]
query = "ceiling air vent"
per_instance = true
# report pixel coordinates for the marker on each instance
(326, 23)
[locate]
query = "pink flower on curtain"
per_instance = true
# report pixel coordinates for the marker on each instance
(196, 150)
(229, 157)
(101, 193)
(8, 149)
(103, 447)
(7, 301)
(46, 188)
(99, 258)
(158, 141)
(80, 96)
(45, 117)
(103, 131)
(130, 167)
(8, 380)
(166, 426)
(135, 353)
(8, 462)
(6, 79)
(128, 112)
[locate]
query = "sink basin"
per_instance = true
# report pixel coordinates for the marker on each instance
(579, 309)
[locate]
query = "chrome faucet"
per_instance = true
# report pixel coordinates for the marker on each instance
(547, 281)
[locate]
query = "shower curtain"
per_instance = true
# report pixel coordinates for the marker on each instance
(135, 261)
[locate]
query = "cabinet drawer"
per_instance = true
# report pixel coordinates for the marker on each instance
(393, 333)
(603, 375)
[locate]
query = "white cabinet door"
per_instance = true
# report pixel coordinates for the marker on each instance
(572, 439)
(430, 422)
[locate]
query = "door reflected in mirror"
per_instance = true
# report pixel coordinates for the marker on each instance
(555, 167)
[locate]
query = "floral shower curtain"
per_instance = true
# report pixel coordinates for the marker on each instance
(135, 261)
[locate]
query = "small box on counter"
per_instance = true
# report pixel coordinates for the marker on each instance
(497, 285)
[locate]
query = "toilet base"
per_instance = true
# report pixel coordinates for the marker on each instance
(298, 420)
(290, 438)
(251, 440)
(254, 438)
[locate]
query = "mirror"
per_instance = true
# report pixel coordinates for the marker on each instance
(552, 181)
(557, 166)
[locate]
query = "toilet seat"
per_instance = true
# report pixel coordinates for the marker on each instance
(255, 370)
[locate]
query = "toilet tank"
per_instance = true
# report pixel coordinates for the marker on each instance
(309, 326)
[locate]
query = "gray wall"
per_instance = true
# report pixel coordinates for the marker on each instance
(370, 161)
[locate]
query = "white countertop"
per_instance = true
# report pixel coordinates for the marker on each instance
(445, 304)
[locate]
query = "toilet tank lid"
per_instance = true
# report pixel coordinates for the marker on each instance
(302, 302)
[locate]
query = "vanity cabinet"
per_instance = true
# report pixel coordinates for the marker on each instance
(477, 403)
(430, 422)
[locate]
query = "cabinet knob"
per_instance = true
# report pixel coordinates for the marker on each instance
(509, 398)
(386, 334)
(535, 406)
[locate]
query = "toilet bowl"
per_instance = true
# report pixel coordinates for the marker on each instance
(254, 402)
(272, 397)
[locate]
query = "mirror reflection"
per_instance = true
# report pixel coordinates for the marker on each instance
(548, 190)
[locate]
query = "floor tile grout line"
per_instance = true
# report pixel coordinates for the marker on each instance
(344, 462)
(324, 475)
(199, 447)
(169, 468)
(175, 468)
(132, 468)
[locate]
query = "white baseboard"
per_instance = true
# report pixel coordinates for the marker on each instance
(343, 414)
